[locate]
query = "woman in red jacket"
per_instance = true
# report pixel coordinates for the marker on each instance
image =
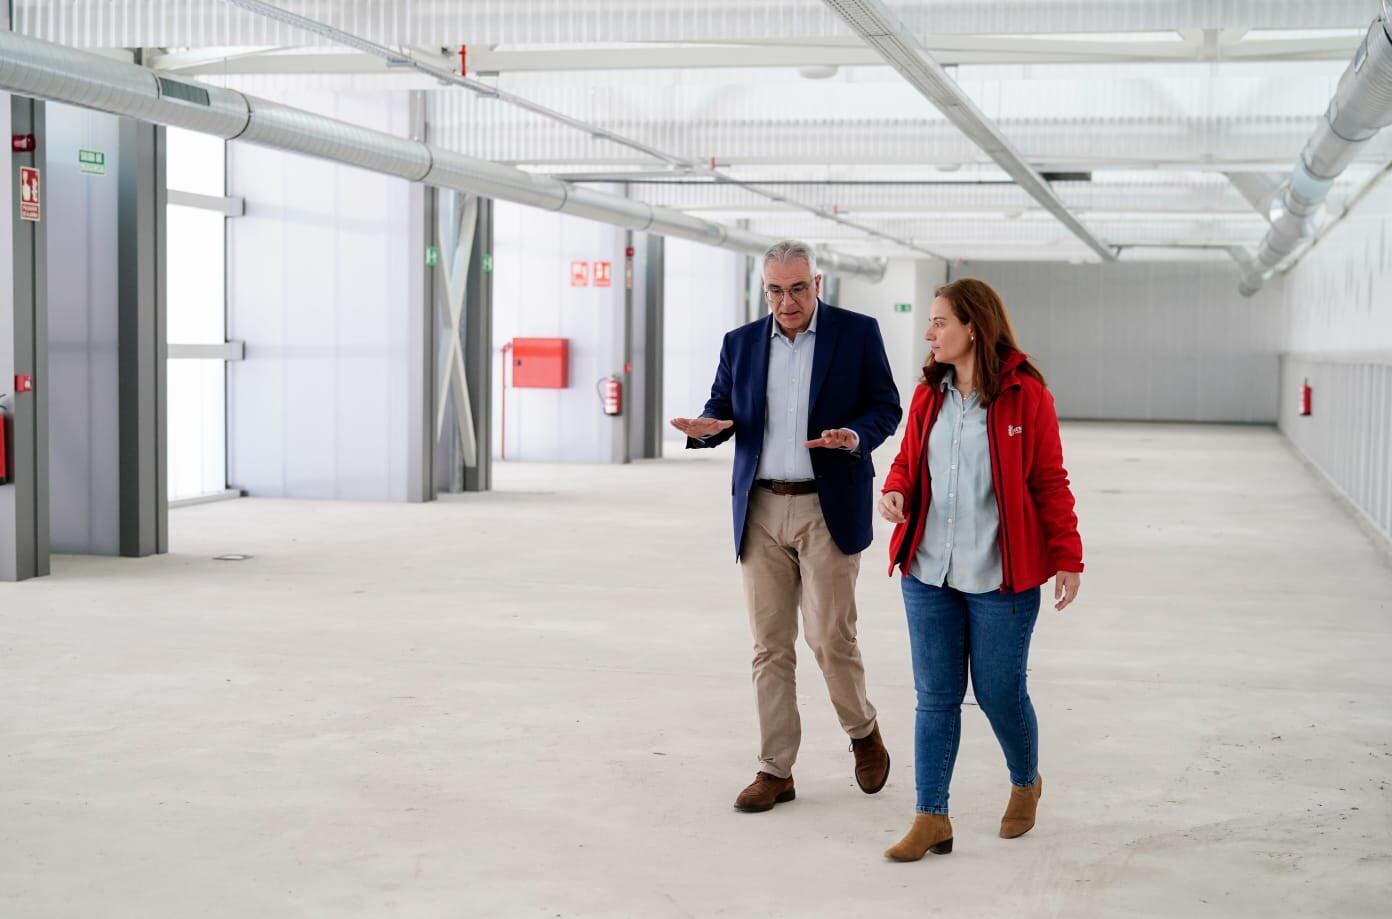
(984, 517)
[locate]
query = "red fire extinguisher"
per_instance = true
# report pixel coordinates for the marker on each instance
(1305, 397)
(610, 390)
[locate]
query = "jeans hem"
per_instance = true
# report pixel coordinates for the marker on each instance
(931, 810)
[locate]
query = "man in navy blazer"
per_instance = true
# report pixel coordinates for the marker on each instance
(807, 394)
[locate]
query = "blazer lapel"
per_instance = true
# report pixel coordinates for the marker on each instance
(759, 378)
(822, 353)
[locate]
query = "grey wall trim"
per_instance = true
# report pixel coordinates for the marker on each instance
(420, 471)
(1378, 358)
(24, 512)
(628, 372)
(141, 349)
(225, 495)
(227, 351)
(227, 206)
(478, 348)
(653, 343)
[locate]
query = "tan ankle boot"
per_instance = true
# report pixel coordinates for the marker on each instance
(1019, 813)
(929, 833)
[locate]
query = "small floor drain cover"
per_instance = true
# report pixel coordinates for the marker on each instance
(234, 557)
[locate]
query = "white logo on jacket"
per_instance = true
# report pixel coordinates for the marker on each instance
(1012, 430)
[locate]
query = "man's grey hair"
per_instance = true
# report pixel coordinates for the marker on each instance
(793, 249)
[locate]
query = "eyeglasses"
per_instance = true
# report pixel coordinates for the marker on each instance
(776, 294)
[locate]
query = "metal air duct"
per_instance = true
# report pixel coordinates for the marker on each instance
(1362, 106)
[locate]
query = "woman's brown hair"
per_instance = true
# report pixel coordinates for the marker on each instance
(976, 304)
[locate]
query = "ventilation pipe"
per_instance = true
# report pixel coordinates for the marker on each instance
(1362, 106)
(31, 67)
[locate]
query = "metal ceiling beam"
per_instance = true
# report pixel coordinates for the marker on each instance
(30, 67)
(447, 76)
(193, 23)
(947, 49)
(883, 31)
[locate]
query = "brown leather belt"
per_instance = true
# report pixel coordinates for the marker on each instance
(808, 487)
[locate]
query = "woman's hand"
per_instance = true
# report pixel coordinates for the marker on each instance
(1066, 585)
(892, 506)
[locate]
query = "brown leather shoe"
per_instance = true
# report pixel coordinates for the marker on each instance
(764, 792)
(871, 762)
(1020, 811)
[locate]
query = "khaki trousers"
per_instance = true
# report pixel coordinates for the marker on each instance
(789, 559)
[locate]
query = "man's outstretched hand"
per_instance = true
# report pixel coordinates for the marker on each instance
(700, 427)
(836, 439)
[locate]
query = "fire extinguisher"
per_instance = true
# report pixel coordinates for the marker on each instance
(610, 391)
(1305, 397)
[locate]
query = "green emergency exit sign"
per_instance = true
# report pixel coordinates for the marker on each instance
(91, 162)
(432, 256)
(903, 307)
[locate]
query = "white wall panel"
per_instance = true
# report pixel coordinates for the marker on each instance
(1348, 435)
(704, 300)
(318, 290)
(910, 281)
(1339, 296)
(1338, 336)
(533, 298)
(1144, 341)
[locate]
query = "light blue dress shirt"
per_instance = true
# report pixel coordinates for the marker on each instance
(785, 455)
(959, 548)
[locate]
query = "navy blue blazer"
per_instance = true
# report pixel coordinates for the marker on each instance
(851, 387)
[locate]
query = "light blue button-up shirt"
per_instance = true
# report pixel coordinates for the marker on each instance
(959, 548)
(785, 455)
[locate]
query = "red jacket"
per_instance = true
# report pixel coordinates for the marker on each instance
(1038, 528)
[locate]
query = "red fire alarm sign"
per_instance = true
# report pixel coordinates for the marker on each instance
(579, 274)
(602, 274)
(28, 193)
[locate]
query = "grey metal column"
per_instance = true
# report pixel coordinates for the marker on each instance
(24, 523)
(142, 348)
(654, 338)
(628, 372)
(478, 348)
(420, 484)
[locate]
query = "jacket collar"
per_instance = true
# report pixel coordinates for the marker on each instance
(1010, 368)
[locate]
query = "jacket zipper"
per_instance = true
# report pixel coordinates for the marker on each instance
(908, 546)
(998, 475)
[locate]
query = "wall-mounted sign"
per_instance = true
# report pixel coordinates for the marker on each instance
(29, 193)
(603, 274)
(579, 274)
(432, 256)
(903, 307)
(91, 162)
(487, 262)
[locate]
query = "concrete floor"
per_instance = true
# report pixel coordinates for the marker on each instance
(536, 702)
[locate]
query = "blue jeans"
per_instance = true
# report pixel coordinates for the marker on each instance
(949, 631)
